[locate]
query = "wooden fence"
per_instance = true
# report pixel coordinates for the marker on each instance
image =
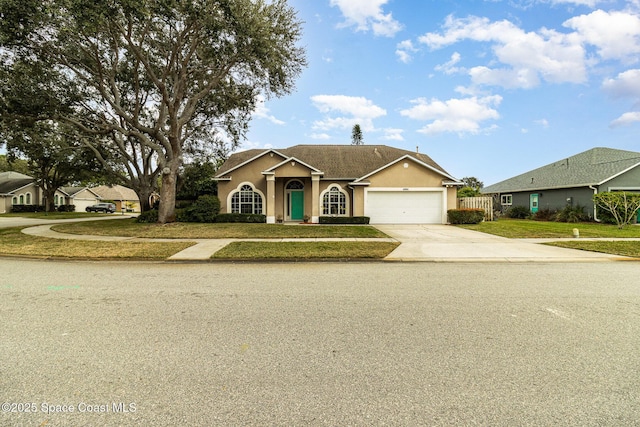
(485, 203)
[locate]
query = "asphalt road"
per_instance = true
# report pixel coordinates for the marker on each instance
(324, 344)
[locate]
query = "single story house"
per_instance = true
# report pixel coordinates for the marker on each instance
(121, 196)
(16, 188)
(571, 181)
(387, 184)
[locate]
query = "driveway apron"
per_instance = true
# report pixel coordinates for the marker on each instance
(435, 242)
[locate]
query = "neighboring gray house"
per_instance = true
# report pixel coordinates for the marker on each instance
(570, 181)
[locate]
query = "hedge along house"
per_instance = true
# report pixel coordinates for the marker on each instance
(387, 184)
(570, 181)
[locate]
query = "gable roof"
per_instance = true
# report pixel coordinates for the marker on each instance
(591, 167)
(115, 192)
(335, 161)
(9, 186)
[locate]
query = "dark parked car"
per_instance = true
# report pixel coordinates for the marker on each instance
(102, 207)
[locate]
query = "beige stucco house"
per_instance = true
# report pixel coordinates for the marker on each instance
(387, 184)
(20, 189)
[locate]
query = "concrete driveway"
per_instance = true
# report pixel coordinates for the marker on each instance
(435, 242)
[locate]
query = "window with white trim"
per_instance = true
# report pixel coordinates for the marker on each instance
(334, 202)
(28, 198)
(246, 201)
(506, 199)
(22, 199)
(14, 201)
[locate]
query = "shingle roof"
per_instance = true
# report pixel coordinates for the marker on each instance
(6, 187)
(336, 161)
(591, 167)
(115, 192)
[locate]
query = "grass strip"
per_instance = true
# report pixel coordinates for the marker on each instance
(630, 249)
(53, 215)
(306, 250)
(181, 230)
(518, 229)
(14, 242)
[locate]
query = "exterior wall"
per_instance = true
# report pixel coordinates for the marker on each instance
(452, 199)
(5, 204)
(29, 189)
(414, 175)
(554, 199)
(252, 173)
(627, 181)
(82, 199)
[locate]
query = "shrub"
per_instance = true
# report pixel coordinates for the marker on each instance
(572, 214)
(204, 209)
(66, 208)
(148, 217)
(622, 206)
(344, 220)
(518, 212)
(27, 208)
(545, 214)
(465, 216)
(238, 217)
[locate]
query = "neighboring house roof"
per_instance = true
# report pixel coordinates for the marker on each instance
(9, 186)
(72, 191)
(115, 192)
(10, 175)
(592, 167)
(335, 161)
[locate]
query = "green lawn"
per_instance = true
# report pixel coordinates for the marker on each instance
(53, 215)
(306, 250)
(522, 228)
(14, 242)
(181, 230)
(630, 249)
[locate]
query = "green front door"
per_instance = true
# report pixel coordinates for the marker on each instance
(297, 205)
(533, 203)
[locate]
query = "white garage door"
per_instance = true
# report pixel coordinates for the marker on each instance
(404, 207)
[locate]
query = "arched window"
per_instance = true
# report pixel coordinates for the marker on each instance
(246, 201)
(22, 199)
(14, 201)
(334, 202)
(28, 198)
(55, 200)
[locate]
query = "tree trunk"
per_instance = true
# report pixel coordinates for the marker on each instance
(167, 208)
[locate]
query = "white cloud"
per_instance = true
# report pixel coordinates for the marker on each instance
(543, 122)
(529, 56)
(322, 136)
(262, 112)
(616, 35)
(404, 50)
(449, 66)
(367, 15)
(589, 3)
(393, 134)
(460, 116)
(350, 110)
(626, 84)
(626, 119)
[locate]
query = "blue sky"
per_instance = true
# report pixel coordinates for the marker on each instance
(489, 89)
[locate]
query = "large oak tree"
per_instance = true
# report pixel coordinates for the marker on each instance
(151, 80)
